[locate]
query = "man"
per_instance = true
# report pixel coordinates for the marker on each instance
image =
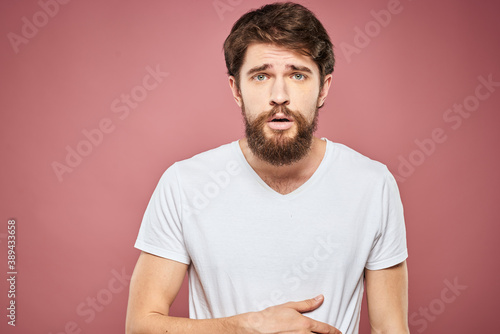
(266, 223)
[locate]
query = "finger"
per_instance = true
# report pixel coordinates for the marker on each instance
(306, 305)
(323, 328)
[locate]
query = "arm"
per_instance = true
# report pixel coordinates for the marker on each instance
(387, 296)
(155, 284)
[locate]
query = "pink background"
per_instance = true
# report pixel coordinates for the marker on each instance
(75, 230)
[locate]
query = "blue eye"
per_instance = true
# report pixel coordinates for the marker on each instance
(260, 77)
(299, 76)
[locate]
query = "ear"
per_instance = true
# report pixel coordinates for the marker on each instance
(235, 90)
(327, 81)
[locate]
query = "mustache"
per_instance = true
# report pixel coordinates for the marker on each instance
(280, 108)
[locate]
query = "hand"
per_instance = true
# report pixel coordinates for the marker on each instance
(287, 318)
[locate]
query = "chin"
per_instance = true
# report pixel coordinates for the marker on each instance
(288, 133)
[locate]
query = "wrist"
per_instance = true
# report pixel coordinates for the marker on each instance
(243, 323)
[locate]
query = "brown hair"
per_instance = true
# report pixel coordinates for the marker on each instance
(288, 25)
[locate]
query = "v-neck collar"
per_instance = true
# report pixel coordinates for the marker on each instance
(303, 187)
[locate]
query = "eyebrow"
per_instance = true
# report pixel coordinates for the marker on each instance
(292, 67)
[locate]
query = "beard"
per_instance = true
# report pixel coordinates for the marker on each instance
(280, 148)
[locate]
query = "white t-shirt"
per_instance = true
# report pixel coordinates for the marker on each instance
(250, 247)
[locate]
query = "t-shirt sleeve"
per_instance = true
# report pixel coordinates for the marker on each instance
(161, 228)
(389, 247)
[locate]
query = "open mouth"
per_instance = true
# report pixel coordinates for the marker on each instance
(280, 117)
(280, 122)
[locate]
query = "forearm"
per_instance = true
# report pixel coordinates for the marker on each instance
(387, 296)
(401, 330)
(283, 318)
(158, 323)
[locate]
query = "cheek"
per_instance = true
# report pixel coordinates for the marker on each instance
(253, 96)
(254, 101)
(307, 99)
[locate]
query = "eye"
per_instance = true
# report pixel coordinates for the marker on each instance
(260, 77)
(299, 76)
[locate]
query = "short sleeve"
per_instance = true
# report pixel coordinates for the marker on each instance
(161, 228)
(389, 247)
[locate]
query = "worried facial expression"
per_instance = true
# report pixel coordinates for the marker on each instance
(279, 93)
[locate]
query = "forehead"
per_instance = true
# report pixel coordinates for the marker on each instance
(277, 57)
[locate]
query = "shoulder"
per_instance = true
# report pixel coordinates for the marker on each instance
(201, 166)
(347, 159)
(215, 158)
(358, 173)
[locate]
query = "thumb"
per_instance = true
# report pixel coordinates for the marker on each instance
(307, 305)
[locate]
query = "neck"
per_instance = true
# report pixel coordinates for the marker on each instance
(299, 170)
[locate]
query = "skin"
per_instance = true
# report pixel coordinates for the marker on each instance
(286, 74)
(283, 77)
(387, 297)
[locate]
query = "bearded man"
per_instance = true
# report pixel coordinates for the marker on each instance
(268, 222)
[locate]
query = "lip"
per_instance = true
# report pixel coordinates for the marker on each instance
(280, 125)
(280, 115)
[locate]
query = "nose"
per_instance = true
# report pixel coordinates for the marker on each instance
(279, 92)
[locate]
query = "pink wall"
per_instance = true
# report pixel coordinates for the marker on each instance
(63, 80)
